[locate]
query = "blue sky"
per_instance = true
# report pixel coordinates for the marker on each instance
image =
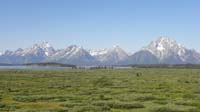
(130, 24)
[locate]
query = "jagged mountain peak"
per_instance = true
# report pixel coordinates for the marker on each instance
(164, 47)
(117, 48)
(42, 45)
(105, 51)
(165, 39)
(168, 42)
(165, 42)
(74, 47)
(45, 44)
(169, 51)
(71, 51)
(120, 52)
(162, 50)
(96, 52)
(109, 56)
(72, 54)
(41, 49)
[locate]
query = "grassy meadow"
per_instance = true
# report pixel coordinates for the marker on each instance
(130, 90)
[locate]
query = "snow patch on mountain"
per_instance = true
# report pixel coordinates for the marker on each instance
(98, 52)
(68, 52)
(109, 56)
(43, 49)
(160, 47)
(165, 49)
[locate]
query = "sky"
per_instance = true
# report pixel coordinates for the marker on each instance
(130, 24)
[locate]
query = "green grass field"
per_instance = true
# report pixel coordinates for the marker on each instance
(133, 90)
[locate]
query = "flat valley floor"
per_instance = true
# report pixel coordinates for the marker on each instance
(130, 90)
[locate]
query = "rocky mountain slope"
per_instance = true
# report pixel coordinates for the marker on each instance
(161, 51)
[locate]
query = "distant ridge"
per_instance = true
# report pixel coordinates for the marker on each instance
(161, 51)
(167, 66)
(50, 64)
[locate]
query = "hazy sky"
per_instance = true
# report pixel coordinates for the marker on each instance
(130, 24)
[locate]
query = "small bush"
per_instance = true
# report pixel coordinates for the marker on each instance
(166, 109)
(146, 98)
(120, 105)
(189, 96)
(138, 74)
(71, 105)
(193, 110)
(59, 110)
(127, 106)
(24, 99)
(85, 109)
(102, 82)
(104, 108)
(161, 102)
(2, 105)
(185, 103)
(102, 97)
(12, 107)
(39, 98)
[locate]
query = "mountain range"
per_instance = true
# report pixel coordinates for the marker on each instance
(161, 51)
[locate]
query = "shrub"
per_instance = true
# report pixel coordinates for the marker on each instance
(189, 96)
(38, 98)
(166, 109)
(85, 109)
(102, 97)
(185, 103)
(102, 82)
(193, 110)
(127, 105)
(59, 110)
(24, 99)
(138, 74)
(146, 98)
(160, 102)
(104, 108)
(120, 105)
(2, 105)
(71, 105)
(12, 107)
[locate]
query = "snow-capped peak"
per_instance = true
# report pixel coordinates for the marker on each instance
(105, 51)
(163, 50)
(164, 47)
(165, 38)
(111, 56)
(160, 47)
(98, 52)
(73, 49)
(116, 48)
(43, 45)
(47, 44)
(44, 49)
(70, 51)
